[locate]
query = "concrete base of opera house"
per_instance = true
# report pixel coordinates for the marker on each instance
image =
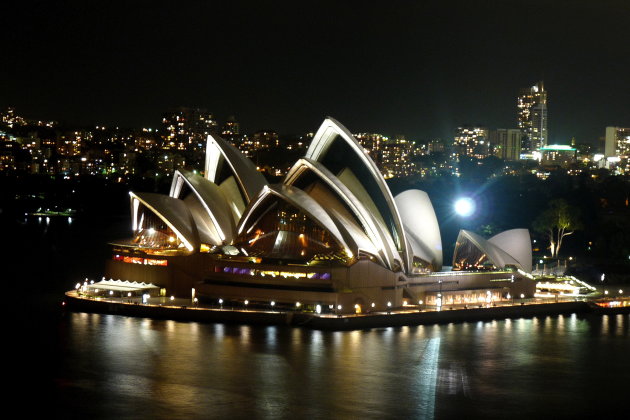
(395, 318)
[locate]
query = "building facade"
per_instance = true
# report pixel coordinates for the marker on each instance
(471, 141)
(532, 117)
(187, 128)
(506, 143)
(617, 142)
(558, 155)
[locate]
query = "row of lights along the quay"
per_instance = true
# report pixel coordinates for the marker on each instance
(318, 307)
(83, 287)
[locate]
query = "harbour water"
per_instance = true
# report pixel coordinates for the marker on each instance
(108, 366)
(80, 365)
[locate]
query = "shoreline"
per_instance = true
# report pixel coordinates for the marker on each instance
(400, 318)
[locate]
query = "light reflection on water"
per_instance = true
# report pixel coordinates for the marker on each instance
(118, 366)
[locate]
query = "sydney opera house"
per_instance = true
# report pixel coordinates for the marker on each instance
(331, 236)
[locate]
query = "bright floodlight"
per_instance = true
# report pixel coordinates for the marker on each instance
(465, 206)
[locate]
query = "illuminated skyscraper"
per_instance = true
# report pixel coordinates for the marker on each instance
(532, 117)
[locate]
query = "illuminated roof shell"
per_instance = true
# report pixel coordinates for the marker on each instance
(382, 245)
(500, 258)
(421, 225)
(248, 179)
(517, 243)
(300, 200)
(331, 131)
(171, 211)
(214, 204)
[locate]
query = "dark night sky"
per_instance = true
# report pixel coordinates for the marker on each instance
(396, 67)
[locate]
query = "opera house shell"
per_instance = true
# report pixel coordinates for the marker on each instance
(331, 235)
(509, 249)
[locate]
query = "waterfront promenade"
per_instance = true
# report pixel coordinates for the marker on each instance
(182, 310)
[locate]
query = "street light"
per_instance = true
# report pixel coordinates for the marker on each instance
(465, 206)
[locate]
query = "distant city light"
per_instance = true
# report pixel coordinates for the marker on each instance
(465, 206)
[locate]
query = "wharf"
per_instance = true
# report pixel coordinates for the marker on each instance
(395, 318)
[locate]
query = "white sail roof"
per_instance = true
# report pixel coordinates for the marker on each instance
(420, 221)
(337, 149)
(517, 243)
(172, 211)
(300, 200)
(234, 173)
(495, 254)
(210, 211)
(381, 242)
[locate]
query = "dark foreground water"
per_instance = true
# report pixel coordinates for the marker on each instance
(90, 366)
(569, 367)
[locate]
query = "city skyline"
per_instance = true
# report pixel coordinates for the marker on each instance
(414, 69)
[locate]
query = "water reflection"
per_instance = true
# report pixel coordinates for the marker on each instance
(120, 366)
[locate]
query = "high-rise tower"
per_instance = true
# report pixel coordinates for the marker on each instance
(532, 117)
